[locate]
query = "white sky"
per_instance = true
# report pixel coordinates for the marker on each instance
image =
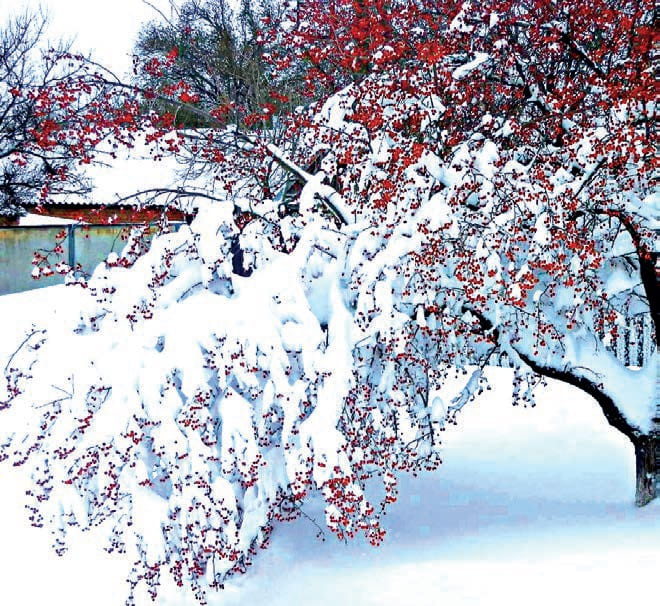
(106, 27)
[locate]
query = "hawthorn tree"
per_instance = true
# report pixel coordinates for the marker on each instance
(479, 184)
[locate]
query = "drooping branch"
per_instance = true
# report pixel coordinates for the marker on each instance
(177, 192)
(612, 413)
(607, 405)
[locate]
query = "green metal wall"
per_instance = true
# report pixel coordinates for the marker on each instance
(17, 248)
(84, 244)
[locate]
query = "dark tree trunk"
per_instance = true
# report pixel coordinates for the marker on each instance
(647, 446)
(647, 452)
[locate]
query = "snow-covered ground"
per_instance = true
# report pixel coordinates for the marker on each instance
(531, 506)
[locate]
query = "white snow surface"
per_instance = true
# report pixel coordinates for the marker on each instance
(529, 506)
(32, 219)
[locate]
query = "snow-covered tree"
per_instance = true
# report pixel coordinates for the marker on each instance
(479, 186)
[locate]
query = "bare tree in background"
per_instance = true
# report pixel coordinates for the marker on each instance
(218, 52)
(29, 170)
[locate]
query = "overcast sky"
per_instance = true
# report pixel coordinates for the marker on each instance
(106, 27)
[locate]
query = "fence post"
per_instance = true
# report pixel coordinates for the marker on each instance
(72, 245)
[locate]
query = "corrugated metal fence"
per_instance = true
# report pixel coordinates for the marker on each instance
(82, 244)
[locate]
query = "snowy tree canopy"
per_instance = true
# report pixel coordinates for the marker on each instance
(479, 185)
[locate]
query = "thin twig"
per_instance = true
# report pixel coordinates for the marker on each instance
(34, 332)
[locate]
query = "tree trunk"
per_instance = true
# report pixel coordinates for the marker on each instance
(647, 453)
